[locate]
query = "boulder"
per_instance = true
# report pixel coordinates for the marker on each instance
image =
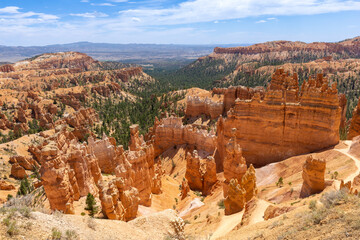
(313, 176)
(18, 171)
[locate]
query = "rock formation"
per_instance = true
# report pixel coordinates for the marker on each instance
(105, 151)
(6, 186)
(118, 200)
(68, 170)
(70, 60)
(170, 131)
(238, 92)
(156, 187)
(200, 173)
(138, 161)
(234, 163)
(184, 189)
(237, 194)
(313, 176)
(235, 200)
(18, 171)
(106, 90)
(343, 106)
(273, 211)
(284, 122)
(25, 162)
(354, 129)
(350, 46)
(7, 68)
(196, 106)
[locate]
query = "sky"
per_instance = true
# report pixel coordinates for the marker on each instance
(44, 22)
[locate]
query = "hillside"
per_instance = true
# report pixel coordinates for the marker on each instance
(103, 150)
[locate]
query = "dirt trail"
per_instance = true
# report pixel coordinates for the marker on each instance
(345, 151)
(227, 224)
(258, 213)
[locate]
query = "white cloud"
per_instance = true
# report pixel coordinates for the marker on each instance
(85, 1)
(135, 19)
(10, 10)
(216, 21)
(103, 4)
(12, 16)
(89, 15)
(118, 1)
(261, 21)
(271, 18)
(212, 10)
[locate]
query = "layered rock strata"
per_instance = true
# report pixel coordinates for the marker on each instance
(285, 122)
(313, 176)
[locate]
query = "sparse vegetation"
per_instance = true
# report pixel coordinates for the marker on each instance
(25, 187)
(280, 182)
(56, 234)
(91, 205)
(221, 204)
(312, 204)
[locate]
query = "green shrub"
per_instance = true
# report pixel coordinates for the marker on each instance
(25, 187)
(91, 204)
(221, 204)
(280, 182)
(56, 234)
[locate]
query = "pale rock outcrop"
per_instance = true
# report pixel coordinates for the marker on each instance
(313, 176)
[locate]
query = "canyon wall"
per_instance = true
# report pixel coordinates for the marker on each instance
(195, 106)
(170, 131)
(284, 122)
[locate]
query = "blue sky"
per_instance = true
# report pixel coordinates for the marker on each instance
(42, 22)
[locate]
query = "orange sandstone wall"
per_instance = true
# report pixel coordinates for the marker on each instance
(284, 122)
